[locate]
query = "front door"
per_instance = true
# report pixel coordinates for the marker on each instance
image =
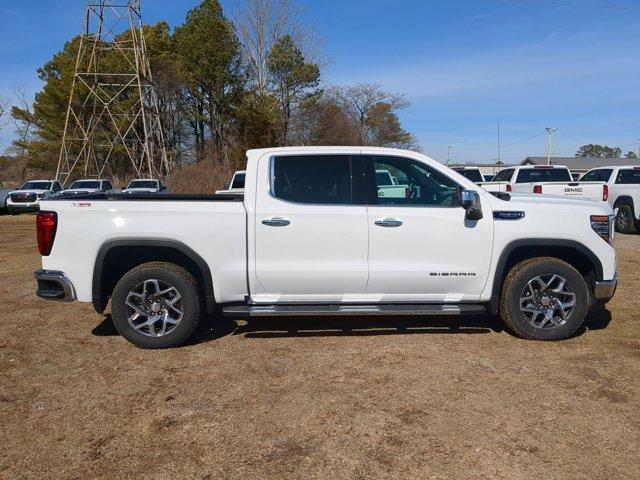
(311, 233)
(421, 247)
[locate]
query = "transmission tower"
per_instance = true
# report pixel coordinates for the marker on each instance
(112, 119)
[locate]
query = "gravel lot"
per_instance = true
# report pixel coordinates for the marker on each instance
(349, 399)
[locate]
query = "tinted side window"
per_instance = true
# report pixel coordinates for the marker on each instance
(503, 175)
(544, 175)
(473, 175)
(591, 176)
(56, 187)
(107, 186)
(628, 177)
(415, 183)
(317, 179)
(238, 181)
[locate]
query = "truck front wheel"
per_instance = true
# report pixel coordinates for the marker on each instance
(156, 305)
(544, 299)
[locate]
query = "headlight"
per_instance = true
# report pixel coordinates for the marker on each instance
(603, 226)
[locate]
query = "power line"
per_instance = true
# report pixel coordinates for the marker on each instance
(571, 4)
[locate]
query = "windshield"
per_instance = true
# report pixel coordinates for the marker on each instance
(85, 184)
(238, 180)
(143, 184)
(530, 175)
(473, 175)
(36, 186)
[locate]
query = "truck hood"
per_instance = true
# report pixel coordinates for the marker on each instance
(78, 191)
(527, 202)
(140, 190)
(37, 192)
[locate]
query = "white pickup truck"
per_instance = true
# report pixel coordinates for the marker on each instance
(623, 193)
(545, 180)
(312, 236)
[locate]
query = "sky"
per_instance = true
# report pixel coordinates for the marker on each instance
(464, 65)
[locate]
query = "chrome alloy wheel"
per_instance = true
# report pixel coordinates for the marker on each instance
(547, 301)
(623, 220)
(154, 308)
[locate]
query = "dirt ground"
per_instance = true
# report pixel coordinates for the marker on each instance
(325, 399)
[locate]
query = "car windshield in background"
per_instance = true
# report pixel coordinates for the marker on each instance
(143, 184)
(36, 186)
(85, 184)
(530, 175)
(473, 175)
(238, 181)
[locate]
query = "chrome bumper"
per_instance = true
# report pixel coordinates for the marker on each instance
(605, 289)
(54, 286)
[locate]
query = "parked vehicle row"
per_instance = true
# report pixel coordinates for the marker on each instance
(28, 197)
(316, 234)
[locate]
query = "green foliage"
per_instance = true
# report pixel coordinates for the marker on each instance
(601, 151)
(292, 77)
(631, 154)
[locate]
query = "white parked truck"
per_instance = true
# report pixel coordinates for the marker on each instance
(145, 185)
(235, 186)
(87, 186)
(623, 193)
(545, 180)
(312, 236)
(28, 197)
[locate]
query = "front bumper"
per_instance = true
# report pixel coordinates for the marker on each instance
(54, 285)
(603, 290)
(22, 207)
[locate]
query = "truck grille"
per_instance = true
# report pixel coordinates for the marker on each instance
(23, 197)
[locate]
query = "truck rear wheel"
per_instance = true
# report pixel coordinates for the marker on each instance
(625, 222)
(156, 305)
(544, 299)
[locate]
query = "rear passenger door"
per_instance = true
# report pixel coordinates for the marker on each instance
(311, 234)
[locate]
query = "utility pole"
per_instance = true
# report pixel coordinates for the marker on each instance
(451, 147)
(550, 132)
(499, 153)
(112, 117)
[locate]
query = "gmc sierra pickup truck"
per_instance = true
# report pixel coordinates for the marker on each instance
(311, 235)
(545, 180)
(623, 193)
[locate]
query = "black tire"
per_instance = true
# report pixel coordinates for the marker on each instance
(625, 221)
(167, 273)
(517, 322)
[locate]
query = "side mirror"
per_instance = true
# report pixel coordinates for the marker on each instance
(470, 201)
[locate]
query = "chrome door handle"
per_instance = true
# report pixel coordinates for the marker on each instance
(276, 222)
(389, 223)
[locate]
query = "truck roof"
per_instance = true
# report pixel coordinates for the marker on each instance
(318, 149)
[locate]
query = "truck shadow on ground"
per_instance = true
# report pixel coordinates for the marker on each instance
(217, 326)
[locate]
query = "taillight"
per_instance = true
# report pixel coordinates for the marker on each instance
(46, 225)
(508, 188)
(605, 193)
(537, 189)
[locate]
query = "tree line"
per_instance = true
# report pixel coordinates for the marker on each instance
(226, 84)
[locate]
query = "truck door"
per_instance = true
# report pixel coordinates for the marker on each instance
(311, 234)
(421, 248)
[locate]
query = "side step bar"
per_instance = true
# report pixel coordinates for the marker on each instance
(321, 310)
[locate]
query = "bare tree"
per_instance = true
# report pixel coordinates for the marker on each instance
(260, 24)
(5, 107)
(23, 120)
(362, 102)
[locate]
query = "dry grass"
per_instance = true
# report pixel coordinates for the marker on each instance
(313, 398)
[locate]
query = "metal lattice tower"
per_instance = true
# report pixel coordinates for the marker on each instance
(112, 119)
